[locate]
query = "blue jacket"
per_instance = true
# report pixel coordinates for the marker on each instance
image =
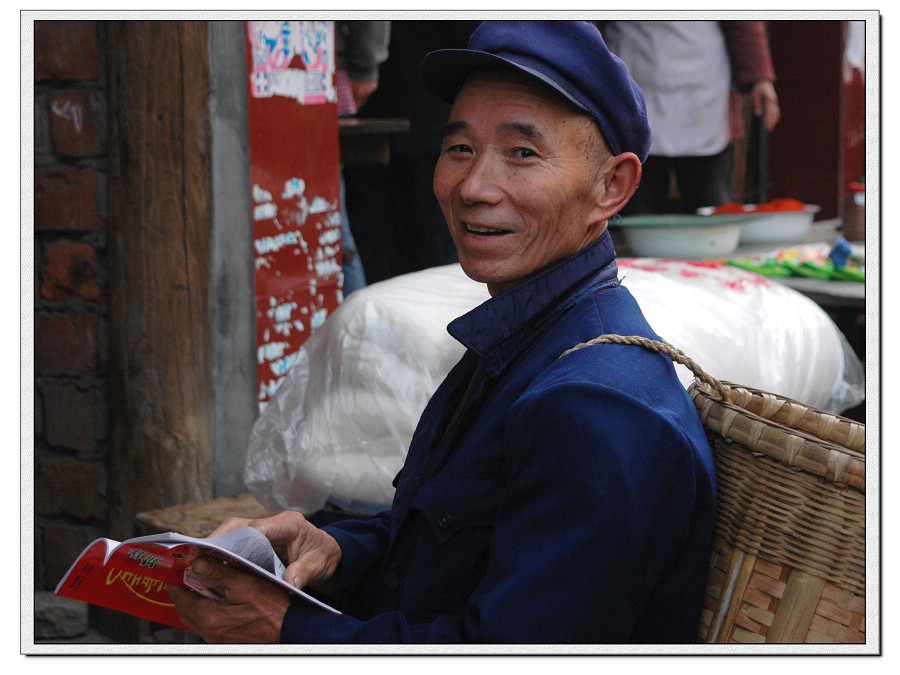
(571, 500)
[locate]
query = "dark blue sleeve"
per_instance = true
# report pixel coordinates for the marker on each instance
(363, 543)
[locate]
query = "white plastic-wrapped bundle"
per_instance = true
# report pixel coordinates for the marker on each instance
(747, 329)
(338, 427)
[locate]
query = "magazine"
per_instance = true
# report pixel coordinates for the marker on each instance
(131, 576)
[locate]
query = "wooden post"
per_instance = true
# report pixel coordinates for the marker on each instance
(160, 215)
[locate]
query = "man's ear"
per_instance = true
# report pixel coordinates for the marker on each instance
(621, 175)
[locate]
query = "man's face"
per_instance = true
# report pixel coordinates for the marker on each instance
(514, 180)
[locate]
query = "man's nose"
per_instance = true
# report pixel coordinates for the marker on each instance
(481, 184)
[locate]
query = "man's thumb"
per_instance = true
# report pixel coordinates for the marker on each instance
(295, 575)
(209, 574)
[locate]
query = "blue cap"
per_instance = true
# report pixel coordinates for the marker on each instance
(569, 56)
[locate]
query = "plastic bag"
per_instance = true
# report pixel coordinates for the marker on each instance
(747, 329)
(338, 427)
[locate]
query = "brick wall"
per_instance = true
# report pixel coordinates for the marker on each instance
(70, 313)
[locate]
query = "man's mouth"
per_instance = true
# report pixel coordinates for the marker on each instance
(485, 231)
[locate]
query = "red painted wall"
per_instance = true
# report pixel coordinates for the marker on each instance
(295, 175)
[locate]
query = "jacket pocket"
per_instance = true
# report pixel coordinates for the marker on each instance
(451, 541)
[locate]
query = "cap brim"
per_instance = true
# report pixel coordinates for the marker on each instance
(445, 71)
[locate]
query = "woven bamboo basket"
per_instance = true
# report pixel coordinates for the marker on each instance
(788, 560)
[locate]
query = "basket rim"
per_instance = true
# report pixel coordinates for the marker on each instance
(790, 430)
(855, 462)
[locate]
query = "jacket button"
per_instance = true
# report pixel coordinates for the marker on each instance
(444, 520)
(392, 580)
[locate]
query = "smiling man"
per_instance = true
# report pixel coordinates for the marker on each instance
(545, 498)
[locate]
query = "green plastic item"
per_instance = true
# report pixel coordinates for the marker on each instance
(768, 268)
(814, 270)
(850, 274)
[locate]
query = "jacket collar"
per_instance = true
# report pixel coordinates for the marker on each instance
(498, 329)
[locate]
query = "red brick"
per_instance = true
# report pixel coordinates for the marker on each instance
(65, 486)
(66, 50)
(76, 123)
(69, 269)
(61, 546)
(41, 151)
(67, 345)
(70, 417)
(65, 200)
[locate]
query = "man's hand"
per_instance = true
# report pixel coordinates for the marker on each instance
(765, 103)
(362, 90)
(313, 556)
(250, 609)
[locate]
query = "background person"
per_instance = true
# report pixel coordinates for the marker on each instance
(362, 46)
(692, 74)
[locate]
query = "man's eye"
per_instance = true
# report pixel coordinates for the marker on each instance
(524, 153)
(458, 147)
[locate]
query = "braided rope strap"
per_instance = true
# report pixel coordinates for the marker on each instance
(662, 348)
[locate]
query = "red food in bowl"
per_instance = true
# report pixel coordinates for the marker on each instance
(780, 205)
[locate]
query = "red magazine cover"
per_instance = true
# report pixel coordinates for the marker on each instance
(131, 576)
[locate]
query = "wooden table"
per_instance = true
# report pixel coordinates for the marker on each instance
(198, 520)
(368, 141)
